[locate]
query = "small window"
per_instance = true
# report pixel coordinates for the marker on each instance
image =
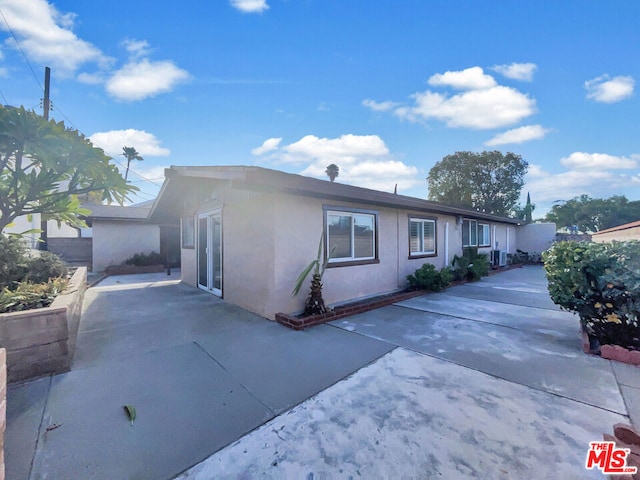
(188, 232)
(469, 233)
(484, 239)
(351, 236)
(422, 237)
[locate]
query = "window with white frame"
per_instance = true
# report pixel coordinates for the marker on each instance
(469, 233)
(484, 238)
(351, 235)
(422, 237)
(188, 232)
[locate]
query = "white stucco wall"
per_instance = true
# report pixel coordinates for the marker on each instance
(269, 239)
(114, 242)
(23, 224)
(536, 237)
(62, 231)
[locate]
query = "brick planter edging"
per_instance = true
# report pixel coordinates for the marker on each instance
(42, 341)
(620, 354)
(297, 323)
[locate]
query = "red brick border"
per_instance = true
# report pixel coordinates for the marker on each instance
(298, 323)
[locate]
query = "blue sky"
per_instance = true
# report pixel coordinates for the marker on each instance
(383, 89)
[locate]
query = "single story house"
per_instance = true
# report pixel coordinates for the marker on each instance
(248, 232)
(628, 231)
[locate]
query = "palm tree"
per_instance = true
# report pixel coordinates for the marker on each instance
(131, 154)
(332, 171)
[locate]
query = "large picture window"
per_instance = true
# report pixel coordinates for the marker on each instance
(484, 238)
(351, 236)
(422, 237)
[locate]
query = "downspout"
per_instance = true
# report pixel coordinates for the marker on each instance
(398, 249)
(508, 239)
(446, 244)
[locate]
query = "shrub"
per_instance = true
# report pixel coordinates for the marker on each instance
(470, 266)
(13, 261)
(428, 278)
(601, 282)
(145, 259)
(44, 267)
(31, 295)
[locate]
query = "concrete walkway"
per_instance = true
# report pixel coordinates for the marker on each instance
(486, 380)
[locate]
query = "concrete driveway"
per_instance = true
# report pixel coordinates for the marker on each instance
(486, 380)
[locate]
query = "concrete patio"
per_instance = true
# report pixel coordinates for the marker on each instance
(485, 380)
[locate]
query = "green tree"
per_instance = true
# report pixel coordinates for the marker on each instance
(332, 171)
(525, 214)
(130, 153)
(586, 214)
(487, 182)
(44, 167)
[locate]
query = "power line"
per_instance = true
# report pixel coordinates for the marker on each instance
(20, 48)
(136, 173)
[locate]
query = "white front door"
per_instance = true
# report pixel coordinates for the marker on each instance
(210, 252)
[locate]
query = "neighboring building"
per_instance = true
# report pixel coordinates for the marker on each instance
(119, 233)
(628, 231)
(248, 232)
(114, 234)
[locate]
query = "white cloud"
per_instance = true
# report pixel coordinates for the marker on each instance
(137, 48)
(604, 89)
(488, 108)
(482, 104)
(518, 135)
(145, 143)
(45, 35)
(587, 173)
(472, 78)
(599, 161)
(364, 160)
(267, 146)
(140, 79)
(517, 71)
(250, 6)
(379, 106)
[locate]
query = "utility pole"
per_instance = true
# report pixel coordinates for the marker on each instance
(46, 106)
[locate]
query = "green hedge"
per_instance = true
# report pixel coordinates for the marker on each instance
(144, 259)
(428, 278)
(18, 266)
(600, 282)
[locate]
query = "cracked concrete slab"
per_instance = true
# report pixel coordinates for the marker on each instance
(187, 408)
(555, 364)
(409, 415)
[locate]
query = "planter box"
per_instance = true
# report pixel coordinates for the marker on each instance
(42, 341)
(132, 269)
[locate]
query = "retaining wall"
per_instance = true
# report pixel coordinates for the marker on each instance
(3, 406)
(42, 341)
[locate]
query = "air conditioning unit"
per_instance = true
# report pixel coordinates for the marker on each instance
(498, 258)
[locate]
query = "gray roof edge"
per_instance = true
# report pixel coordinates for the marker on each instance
(308, 186)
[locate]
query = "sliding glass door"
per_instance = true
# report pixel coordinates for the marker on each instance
(210, 252)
